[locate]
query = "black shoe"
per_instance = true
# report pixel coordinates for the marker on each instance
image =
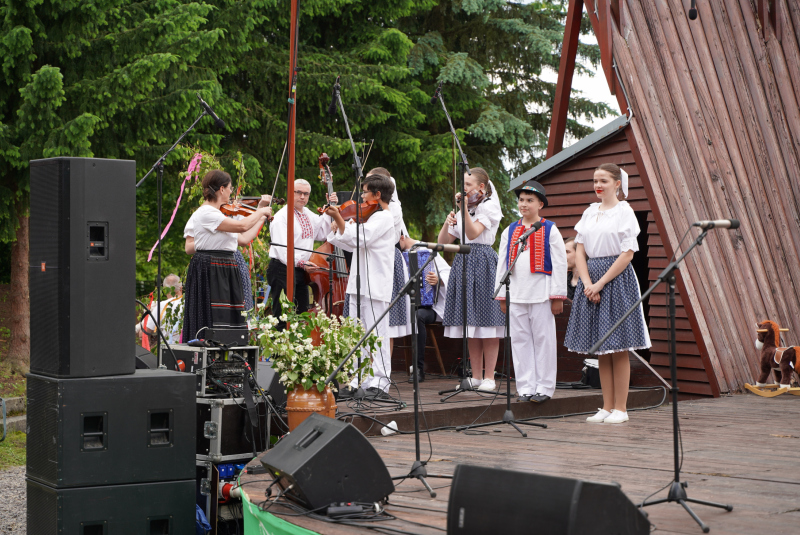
(376, 393)
(539, 398)
(524, 397)
(420, 375)
(346, 392)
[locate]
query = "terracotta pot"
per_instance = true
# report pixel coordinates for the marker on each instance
(300, 403)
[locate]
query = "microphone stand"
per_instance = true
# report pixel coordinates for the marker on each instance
(508, 416)
(463, 168)
(677, 490)
(412, 288)
(159, 168)
(359, 175)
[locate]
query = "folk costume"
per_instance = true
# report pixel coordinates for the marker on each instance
(375, 266)
(484, 317)
(308, 227)
(244, 267)
(400, 315)
(214, 295)
(539, 277)
(432, 300)
(606, 235)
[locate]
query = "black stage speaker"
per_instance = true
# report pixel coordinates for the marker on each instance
(165, 508)
(145, 360)
(270, 381)
(328, 461)
(111, 430)
(82, 266)
(490, 500)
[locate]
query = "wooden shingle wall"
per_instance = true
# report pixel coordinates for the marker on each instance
(717, 128)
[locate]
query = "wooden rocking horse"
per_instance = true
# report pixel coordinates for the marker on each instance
(782, 361)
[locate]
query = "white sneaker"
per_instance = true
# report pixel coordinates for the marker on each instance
(598, 418)
(617, 417)
(474, 383)
(487, 385)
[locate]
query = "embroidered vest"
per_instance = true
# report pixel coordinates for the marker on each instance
(538, 243)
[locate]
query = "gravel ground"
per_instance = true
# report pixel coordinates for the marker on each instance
(12, 505)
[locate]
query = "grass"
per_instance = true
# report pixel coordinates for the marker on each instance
(12, 384)
(12, 450)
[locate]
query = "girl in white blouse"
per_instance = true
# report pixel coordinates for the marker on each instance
(485, 320)
(606, 242)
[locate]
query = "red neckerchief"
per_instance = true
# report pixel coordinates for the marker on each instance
(537, 252)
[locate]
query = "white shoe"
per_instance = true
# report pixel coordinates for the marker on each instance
(487, 385)
(617, 417)
(598, 418)
(474, 383)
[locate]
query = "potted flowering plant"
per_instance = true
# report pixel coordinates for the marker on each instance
(307, 352)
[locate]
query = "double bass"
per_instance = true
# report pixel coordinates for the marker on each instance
(329, 294)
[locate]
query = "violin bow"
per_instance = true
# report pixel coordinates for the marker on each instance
(455, 178)
(280, 166)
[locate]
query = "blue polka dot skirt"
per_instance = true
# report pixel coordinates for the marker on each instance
(588, 322)
(482, 309)
(398, 315)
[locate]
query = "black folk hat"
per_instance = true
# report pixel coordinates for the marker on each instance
(534, 187)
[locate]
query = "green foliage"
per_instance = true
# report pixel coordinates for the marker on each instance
(117, 79)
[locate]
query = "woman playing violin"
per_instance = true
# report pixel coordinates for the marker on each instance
(308, 227)
(213, 289)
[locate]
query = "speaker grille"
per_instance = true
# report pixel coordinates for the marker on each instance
(42, 509)
(49, 266)
(43, 439)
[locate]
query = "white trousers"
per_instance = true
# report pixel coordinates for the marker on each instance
(382, 358)
(533, 345)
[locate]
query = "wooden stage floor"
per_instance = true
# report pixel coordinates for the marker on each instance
(740, 450)
(474, 407)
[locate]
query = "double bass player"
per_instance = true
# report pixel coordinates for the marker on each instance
(308, 226)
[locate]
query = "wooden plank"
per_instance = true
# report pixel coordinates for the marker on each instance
(569, 51)
(684, 361)
(664, 156)
(636, 455)
(663, 223)
(689, 164)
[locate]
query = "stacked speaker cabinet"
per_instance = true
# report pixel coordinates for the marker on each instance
(82, 266)
(109, 451)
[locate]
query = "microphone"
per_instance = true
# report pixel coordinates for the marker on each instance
(536, 226)
(719, 223)
(447, 248)
(436, 93)
(217, 121)
(332, 107)
(693, 11)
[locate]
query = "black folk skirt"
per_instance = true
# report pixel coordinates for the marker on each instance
(214, 296)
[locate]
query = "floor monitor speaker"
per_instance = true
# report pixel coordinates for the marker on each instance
(164, 508)
(111, 430)
(490, 500)
(82, 264)
(325, 461)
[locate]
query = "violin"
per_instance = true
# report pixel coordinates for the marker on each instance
(245, 206)
(348, 210)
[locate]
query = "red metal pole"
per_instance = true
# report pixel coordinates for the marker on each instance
(290, 169)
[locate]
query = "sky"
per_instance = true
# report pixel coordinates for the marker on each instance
(592, 87)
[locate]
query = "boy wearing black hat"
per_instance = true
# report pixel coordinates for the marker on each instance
(538, 290)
